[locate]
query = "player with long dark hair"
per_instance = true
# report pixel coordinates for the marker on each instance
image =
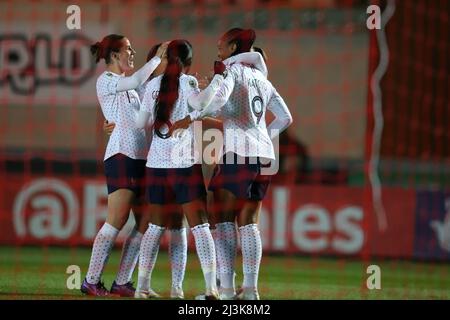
(174, 173)
(175, 223)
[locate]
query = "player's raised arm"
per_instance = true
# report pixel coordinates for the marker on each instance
(215, 95)
(119, 58)
(140, 76)
(283, 117)
(209, 100)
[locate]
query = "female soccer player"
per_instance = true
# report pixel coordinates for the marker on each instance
(174, 173)
(175, 223)
(124, 161)
(239, 184)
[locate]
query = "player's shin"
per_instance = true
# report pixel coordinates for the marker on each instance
(251, 255)
(130, 254)
(226, 244)
(103, 244)
(204, 244)
(148, 254)
(178, 256)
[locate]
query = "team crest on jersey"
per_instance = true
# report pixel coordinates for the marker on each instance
(109, 74)
(225, 74)
(155, 94)
(192, 83)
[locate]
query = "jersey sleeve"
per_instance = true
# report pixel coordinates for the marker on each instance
(214, 97)
(107, 84)
(140, 90)
(139, 77)
(106, 94)
(201, 101)
(283, 117)
(193, 85)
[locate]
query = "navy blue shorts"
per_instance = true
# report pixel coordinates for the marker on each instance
(123, 172)
(244, 180)
(179, 185)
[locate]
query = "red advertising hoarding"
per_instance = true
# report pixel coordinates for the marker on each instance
(294, 219)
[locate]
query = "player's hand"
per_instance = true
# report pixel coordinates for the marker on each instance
(179, 133)
(108, 127)
(219, 67)
(180, 124)
(161, 52)
(202, 81)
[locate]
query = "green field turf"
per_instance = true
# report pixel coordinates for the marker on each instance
(40, 273)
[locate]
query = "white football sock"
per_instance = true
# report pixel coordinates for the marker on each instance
(214, 235)
(251, 254)
(130, 254)
(178, 256)
(103, 244)
(226, 244)
(204, 244)
(148, 254)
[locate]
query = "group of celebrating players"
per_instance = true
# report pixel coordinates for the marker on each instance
(153, 169)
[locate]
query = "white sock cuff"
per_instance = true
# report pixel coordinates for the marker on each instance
(199, 227)
(156, 228)
(109, 229)
(248, 227)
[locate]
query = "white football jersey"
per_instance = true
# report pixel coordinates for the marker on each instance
(248, 94)
(121, 108)
(141, 90)
(165, 151)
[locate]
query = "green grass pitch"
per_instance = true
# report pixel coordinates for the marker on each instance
(40, 273)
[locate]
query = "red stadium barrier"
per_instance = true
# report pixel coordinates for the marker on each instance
(298, 219)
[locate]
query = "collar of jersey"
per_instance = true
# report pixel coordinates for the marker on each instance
(112, 73)
(229, 63)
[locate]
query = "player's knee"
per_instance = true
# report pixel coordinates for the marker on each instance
(249, 213)
(142, 223)
(175, 221)
(117, 222)
(227, 216)
(247, 219)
